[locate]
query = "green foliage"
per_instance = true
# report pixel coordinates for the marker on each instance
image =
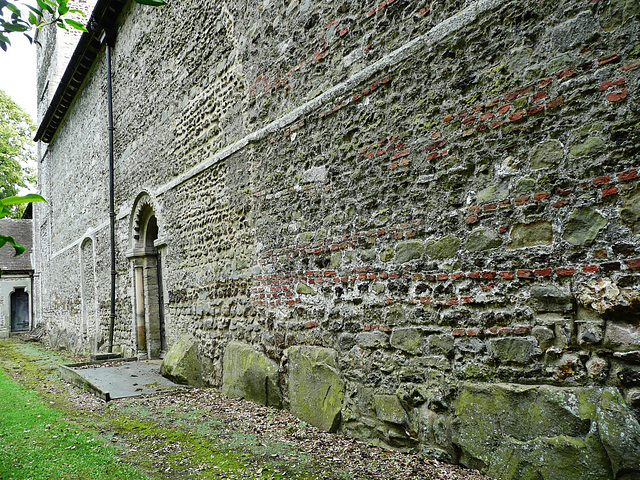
(17, 17)
(16, 147)
(23, 18)
(5, 203)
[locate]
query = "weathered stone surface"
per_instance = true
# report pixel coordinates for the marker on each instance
(622, 337)
(546, 154)
(531, 234)
(387, 254)
(375, 339)
(551, 298)
(446, 247)
(513, 349)
(630, 210)
(616, 12)
(604, 295)
(620, 434)
(315, 387)
(389, 409)
(482, 239)
(544, 336)
(590, 147)
(182, 363)
(274, 165)
(532, 432)
(583, 226)
(575, 31)
(407, 339)
(250, 374)
(408, 251)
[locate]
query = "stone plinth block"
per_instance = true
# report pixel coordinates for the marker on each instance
(315, 387)
(515, 431)
(182, 364)
(250, 374)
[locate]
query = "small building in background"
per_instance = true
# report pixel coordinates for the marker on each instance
(16, 278)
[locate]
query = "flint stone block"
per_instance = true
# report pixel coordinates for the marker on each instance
(544, 335)
(407, 339)
(315, 387)
(513, 349)
(549, 298)
(583, 226)
(408, 251)
(482, 239)
(446, 247)
(389, 409)
(590, 333)
(250, 374)
(375, 339)
(441, 344)
(531, 234)
(183, 364)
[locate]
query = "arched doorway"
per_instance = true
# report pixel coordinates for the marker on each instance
(146, 261)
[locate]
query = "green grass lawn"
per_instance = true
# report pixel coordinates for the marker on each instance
(37, 443)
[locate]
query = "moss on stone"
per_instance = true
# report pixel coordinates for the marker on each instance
(583, 226)
(315, 387)
(446, 247)
(408, 251)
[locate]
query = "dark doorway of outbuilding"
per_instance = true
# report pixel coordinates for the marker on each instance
(19, 310)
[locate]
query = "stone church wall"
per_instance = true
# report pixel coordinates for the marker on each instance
(427, 211)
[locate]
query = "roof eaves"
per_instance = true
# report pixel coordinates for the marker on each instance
(105, 14)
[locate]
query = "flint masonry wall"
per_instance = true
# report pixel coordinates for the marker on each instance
(430, 210)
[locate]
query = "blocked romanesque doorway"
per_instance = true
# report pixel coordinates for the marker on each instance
(19, 310)
(146, 260)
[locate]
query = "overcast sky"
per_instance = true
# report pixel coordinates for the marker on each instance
(18, 73)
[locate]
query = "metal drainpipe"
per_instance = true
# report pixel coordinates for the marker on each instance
(107, 38)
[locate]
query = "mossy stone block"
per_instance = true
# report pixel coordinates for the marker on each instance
(315, 387)
(630, 210)
(515, 431)
(620, 434)
(616, 12)
(482, 239)
(493, 193)
(386, 255)
(591, 147)
(583, 226)
(408, 251)
(407, 339)
(183, 364)
(304, 289)
(446, 247)
(531, 234)
(513, 349)
(546, 154)
(389, 409)
(250, 374)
